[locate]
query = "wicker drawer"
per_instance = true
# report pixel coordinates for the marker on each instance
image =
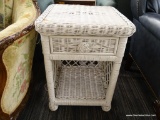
(83, 45)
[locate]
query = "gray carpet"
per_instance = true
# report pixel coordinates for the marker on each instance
(131, 99)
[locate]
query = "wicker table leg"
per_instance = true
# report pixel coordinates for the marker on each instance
(106, 108)
(53, 107)
(111, 87)
(50, 83)
(114, 74)
(49, 73)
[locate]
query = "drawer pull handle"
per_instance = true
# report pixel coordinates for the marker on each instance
(84, 47)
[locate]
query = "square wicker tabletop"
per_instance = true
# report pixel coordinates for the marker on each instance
(83, 20)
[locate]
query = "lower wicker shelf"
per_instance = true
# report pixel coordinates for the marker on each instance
(82, 80)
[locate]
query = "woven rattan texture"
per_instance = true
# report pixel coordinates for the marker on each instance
(83, 45)
(83, 80)
(83, 20)
(83, 48)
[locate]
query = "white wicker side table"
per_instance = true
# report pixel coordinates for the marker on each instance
(83, 48)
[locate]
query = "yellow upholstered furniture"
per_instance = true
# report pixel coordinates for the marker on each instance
(17, 44)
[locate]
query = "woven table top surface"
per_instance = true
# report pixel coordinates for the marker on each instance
(80, 20)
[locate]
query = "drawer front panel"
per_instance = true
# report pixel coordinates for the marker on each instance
(85, 45)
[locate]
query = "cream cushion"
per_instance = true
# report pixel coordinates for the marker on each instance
(23, 15)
